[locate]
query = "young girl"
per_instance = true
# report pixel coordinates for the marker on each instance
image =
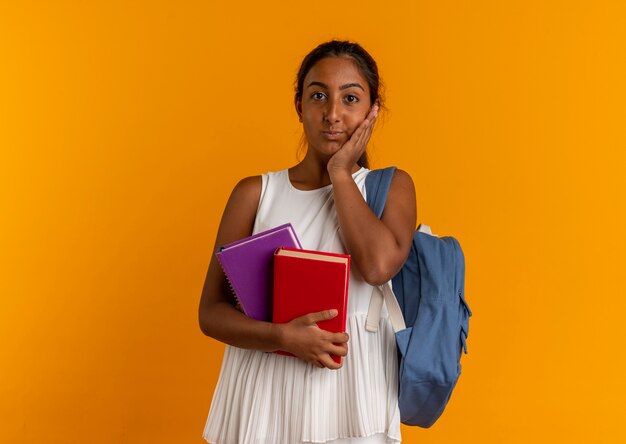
(273, 399)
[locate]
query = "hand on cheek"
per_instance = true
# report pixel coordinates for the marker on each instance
(345, 158)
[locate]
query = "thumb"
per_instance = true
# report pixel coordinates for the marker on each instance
(323, 315)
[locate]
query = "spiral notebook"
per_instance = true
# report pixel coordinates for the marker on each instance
(249, 267)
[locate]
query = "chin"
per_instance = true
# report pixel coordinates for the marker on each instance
(326, 148)
(331, 146)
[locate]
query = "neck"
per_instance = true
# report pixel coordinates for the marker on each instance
(311, 173)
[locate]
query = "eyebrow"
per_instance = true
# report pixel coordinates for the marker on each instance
(342, 87)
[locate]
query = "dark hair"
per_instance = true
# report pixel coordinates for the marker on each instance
(364, 61)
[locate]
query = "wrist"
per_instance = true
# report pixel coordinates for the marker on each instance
(277, 336)
(340, 175)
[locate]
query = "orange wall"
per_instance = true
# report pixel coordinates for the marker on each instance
(124, 125)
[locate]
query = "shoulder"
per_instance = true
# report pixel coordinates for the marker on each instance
(401, 197)
(401, 184)
(248, 186)
(248, 189)
(245, 196)
(240, 212)
(402, 179)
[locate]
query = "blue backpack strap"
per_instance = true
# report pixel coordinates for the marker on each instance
(377, 185)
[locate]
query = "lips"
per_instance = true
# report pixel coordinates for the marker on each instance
(332, 135)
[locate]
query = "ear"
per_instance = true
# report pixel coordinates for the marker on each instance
(297, 101)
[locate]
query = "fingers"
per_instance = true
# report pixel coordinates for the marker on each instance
(372, 120)
(363, 132)
(325, 315)
(338, 350)
(345, 158)
(314, 318)
(338, 338)
(329, 363)
(371, 116)
(317, 346)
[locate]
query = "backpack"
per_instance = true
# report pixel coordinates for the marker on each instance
(429, 315)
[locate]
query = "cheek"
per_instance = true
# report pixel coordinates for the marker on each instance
(355, 120)
(307, 124)
(308, 116)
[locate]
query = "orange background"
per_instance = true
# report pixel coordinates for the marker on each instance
(124, 126)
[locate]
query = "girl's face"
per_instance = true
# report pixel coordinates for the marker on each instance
(335, 100)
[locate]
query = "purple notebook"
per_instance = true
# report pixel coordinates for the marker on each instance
(249, 266)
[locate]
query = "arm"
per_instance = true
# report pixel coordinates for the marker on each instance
(219, 318)
(378, 247)
(217, 315)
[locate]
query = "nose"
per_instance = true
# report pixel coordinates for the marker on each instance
(332, 112)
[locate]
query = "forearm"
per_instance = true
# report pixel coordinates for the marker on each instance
(225, 323)
(301, 336)
(375, 251)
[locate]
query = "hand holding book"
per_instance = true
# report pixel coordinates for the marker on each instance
(308, 282)
(303, 290)
(305, 340)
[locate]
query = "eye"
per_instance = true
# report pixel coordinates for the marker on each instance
(351, 98)
(318, 95)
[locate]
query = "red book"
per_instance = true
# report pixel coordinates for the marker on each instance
(308, 281)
